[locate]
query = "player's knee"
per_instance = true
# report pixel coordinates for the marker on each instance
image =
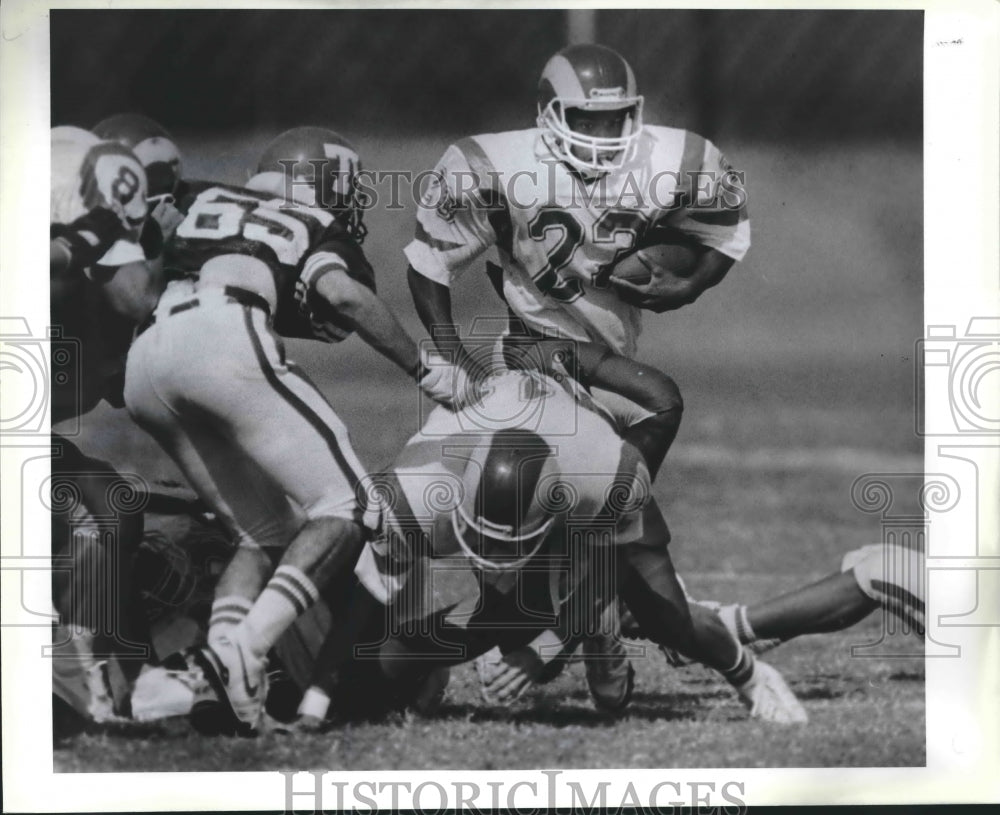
(332, 538)
(668, 399)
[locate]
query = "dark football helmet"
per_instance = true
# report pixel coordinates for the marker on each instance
(589, 78)
(153, 146)
(322, 168)
(502, 520)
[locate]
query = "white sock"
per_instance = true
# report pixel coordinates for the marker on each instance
(314, 703)
(227, 613)
(286, 596)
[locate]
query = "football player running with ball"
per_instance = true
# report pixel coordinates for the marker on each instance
(565, 205)
(207, 377)
(565, 202)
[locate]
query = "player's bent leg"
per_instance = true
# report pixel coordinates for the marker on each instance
(645, 403)
(650, 587)
(238, 658)
(654, 595)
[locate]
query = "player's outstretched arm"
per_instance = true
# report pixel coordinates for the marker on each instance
(668, 292)
(378, 326)
(372, 319)
(433, 303)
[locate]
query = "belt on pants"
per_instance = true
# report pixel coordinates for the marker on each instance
(244, 297)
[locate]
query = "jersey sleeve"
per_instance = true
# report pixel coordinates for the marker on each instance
(454, 224)
(712, 197)
(316, 318)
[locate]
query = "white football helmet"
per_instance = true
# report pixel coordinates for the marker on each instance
(89, 173)
(589, 78)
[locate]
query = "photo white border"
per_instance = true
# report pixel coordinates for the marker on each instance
(962, 211)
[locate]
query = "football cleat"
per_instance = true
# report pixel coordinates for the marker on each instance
(101, 705)
(431, 692)
(170, 689)
(238, 677)
(768, 697)
(610, 675)
(303, 724)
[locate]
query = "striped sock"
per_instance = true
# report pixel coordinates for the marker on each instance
(742, 670)
(287, 595)
(745, 632)
(227, 613)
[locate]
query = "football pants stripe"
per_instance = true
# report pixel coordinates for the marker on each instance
(302, 408)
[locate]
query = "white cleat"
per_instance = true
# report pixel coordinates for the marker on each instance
(239, 674)
(101, 705)
(163, 692)
(769, 698)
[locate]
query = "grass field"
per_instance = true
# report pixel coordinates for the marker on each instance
(797, 377)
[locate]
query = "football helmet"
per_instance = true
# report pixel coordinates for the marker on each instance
(316, 167)
(73, 135)
(589, 78)
(87, 173)
(501, 520)
(163, 574)
(153, 146)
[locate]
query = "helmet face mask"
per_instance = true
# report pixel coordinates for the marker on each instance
(477, 535)
(589, 79)
(502, 519)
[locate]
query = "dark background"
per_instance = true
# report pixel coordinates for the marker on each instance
(757, 74)
(821, 109)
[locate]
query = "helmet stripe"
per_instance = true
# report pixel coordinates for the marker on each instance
(598, 67)
(564, 78)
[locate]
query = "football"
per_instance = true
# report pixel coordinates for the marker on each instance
(679, 257)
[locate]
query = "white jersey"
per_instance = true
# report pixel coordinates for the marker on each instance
(559, 235)
(602, 483)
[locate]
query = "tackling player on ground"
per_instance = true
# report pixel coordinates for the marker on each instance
(523, 512)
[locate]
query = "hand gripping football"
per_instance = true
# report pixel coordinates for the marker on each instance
(660, 250)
